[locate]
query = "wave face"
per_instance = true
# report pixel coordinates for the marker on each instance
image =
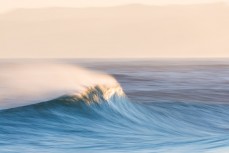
(101, 118)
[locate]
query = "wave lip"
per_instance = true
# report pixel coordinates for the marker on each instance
(22, 84)
(98, 94)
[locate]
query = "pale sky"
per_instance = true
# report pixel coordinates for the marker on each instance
(6, 5)
(130, 31)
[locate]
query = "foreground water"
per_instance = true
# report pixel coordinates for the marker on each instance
(168, 106)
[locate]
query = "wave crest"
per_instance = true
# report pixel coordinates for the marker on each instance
(22, 84)
(98, 94)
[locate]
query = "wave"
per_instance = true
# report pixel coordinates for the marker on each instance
(101, 120)
(55, 107)
(24, 84)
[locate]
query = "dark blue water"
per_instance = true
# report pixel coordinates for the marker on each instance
(170, 106)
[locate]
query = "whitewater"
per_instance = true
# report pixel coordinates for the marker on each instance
(22, 84)
(118, 106)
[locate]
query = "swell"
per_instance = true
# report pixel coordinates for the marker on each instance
(108, 122)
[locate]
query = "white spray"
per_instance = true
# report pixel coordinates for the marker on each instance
(25, 84)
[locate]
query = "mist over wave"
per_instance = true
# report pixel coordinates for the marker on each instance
(24, 84)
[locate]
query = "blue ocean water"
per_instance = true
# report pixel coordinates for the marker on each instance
(169, 106)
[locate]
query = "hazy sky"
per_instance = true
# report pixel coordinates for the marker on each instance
(6, 5)
(131, 31)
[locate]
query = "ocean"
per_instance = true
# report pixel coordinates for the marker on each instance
(110, 106)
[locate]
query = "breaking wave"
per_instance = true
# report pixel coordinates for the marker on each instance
(22, 85)
(62, 108)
